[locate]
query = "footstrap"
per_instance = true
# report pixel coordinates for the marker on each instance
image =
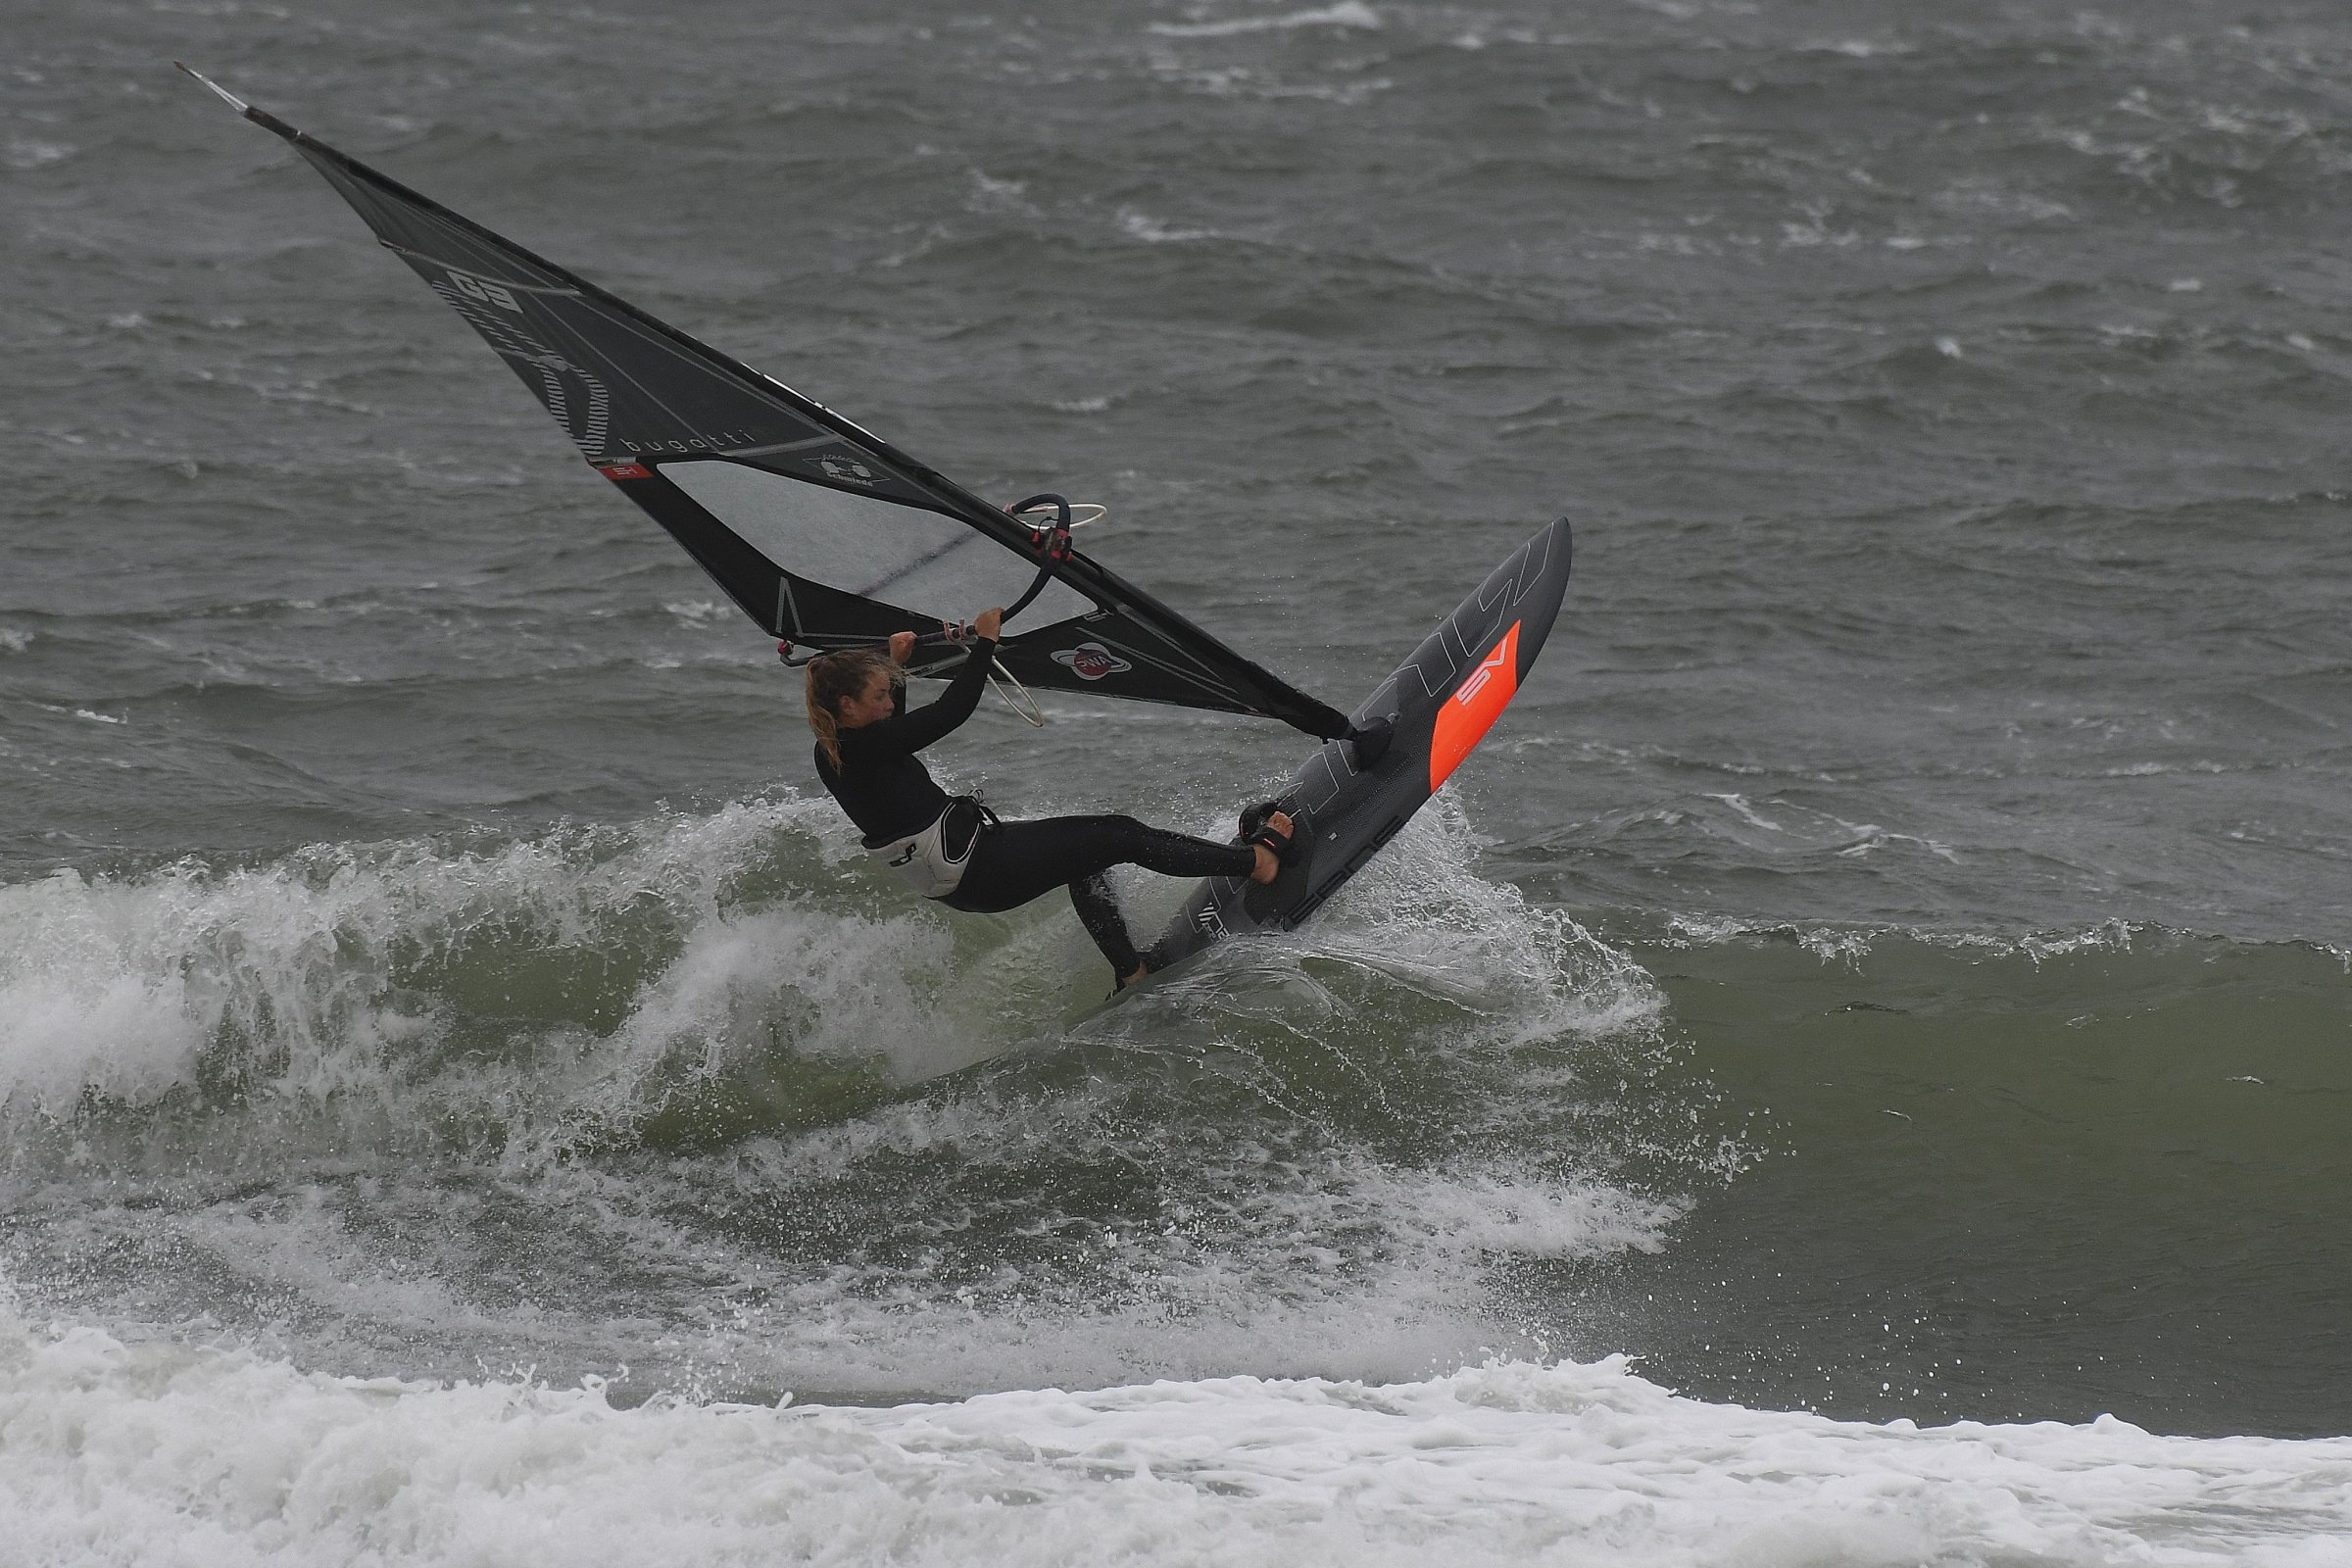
(1284, 844)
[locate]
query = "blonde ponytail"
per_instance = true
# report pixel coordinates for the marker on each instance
(834, 677)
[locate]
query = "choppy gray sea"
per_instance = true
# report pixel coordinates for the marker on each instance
(1889, 968)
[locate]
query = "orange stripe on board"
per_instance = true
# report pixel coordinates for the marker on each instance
(1479, 701)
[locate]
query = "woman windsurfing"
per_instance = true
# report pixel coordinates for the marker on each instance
(954, 850)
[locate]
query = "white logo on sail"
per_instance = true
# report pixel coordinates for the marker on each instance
(482, 290)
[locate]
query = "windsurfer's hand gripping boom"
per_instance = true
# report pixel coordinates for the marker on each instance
(985, 625)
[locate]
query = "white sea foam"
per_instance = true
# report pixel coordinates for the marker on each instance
(1347, 13)
(25, 152)
(831, 985)
(1420, 911)
(1851, 944)
(1333, 1263)
(161, 1454)
(1241, 81)
(1748, 813)
(115, 986)
(1152, 232)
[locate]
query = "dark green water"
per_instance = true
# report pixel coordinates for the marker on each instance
(2014, 1184)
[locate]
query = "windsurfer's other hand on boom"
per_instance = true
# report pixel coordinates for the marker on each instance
(986, 624)
(901, 647)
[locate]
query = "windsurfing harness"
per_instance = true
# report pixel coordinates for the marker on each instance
(818, 530)
(933, 862)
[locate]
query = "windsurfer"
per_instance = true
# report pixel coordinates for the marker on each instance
(954, 850)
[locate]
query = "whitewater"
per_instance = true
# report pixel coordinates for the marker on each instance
(178, 1454)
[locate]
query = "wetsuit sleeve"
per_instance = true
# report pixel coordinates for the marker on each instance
(907, 732)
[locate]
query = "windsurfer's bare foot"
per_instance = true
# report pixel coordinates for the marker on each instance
(1269, 865)
(1141, 970)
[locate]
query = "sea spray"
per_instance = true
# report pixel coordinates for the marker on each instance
(373, 971)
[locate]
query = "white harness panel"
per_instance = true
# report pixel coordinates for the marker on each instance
(922, 860)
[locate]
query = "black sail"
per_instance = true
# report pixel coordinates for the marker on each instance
(818, 530)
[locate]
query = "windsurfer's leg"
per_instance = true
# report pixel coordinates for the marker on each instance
(1099, 911)
(1016, 861)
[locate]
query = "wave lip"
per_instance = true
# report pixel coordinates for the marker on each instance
(342, 970)
(123, 1453)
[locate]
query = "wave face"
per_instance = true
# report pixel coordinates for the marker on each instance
(1885, 977)
(2008, 1179)
(431, 1108)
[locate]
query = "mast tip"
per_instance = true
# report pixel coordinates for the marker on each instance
(227, 97)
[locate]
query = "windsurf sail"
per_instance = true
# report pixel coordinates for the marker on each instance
(818, 530)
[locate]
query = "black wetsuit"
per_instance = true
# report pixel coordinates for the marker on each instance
(889, 794)
(881, 783)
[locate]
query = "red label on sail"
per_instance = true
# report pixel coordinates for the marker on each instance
(625, 471)
(1479, 701)
(1091, 661)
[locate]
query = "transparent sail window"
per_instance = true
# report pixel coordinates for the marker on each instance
(929, 565)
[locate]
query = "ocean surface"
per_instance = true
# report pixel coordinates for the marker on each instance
(1855, 1071)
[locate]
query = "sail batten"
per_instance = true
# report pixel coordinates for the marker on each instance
(814, 528)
